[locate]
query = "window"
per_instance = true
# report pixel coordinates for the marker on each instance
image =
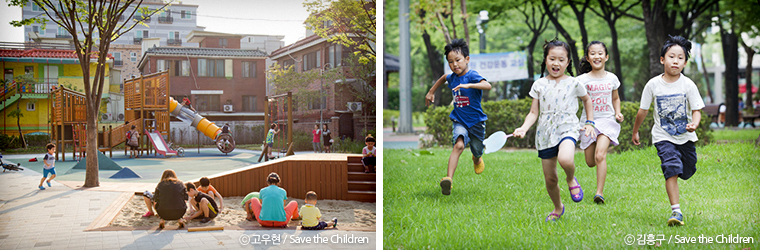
(219, 68)
(174, 38)
(28, 69)
(30, 106)
(249, 69)
(311, 60)
(35, 7)
(117, 56)
(186, 14)
(141, 34)
(202, 67)
(133, 56)
(249, 103)
(314, 103)
(288, 63)
(207, 103)
(62, 31)
(38, 30)
(185, 68)
(331, 56)
(161, 65)
(338, 54)
(222, 42)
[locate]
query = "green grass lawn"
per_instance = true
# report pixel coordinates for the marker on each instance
(505, 207)
(736, 135)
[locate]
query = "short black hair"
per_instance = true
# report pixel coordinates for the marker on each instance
(50, 145)
(676, 40)
(311, 195)
(205, 182)
(273, 125)
(133, 127)
(189, 186)
(369, 138)
(458, 45)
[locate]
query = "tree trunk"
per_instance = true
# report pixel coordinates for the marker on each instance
(616, 59)
(748, 75)
(91, 174)
(564, 33)
(655, 32)
(526, 84)
(463, 4)
(436, 67)
(731, 56)
(18, 122)
(704, 73)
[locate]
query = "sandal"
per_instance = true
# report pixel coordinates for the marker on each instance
(579, 196)
(553, 216)
(148, 214)
(161, 224)
(598, 199)
(366, 170)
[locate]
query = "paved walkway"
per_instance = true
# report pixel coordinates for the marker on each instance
(56, 218)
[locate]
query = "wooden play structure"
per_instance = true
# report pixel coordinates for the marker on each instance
(279, 110)
(332, 176)
(68, 113)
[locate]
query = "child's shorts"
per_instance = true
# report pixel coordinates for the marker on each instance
(320, 226)
(677, 160)
(369, 161)
(270, 144)
(553, 151)
(473, 136)
(45, 172)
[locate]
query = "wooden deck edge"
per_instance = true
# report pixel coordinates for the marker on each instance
(110, 213)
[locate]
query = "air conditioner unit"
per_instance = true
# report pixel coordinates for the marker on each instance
(354, 106)
(227, 108)
(106, 117)
(120, 117)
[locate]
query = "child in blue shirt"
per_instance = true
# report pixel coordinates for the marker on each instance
(468, 117)
(49, 168)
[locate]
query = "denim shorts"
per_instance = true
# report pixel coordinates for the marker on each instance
(677, 160)
(473, 136)
(45, 172)
(553, 151)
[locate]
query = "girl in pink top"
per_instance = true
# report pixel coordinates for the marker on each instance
(315, 142)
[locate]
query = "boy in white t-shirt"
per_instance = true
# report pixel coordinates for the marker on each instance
(369, 155)
(49, 165)
(677, 106)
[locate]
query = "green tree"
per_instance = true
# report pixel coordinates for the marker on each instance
(306, 86)
(362, 89)
(93, 25)
(349, 23)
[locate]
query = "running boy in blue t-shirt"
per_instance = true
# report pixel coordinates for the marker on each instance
(49, 168)
(468, 117)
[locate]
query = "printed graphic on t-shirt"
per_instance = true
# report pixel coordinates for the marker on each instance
(601, 95)
(672, 112)
(460, 100)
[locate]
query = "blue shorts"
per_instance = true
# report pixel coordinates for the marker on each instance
(677, 160)
(270, 144)
(45, 172)
(553, 151)
(473, 136)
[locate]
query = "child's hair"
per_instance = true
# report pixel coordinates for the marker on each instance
(311, 195)
(133, 127)
(457, 45)
(189, 186)
(585, 65)
(273, 178)
(676, 40)
(169, 175)
(273, 125)
(205, 182)
(549, 45)
(325, 125)
(50, 145)
(369, 138)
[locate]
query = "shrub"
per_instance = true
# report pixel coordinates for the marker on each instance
(507, 115)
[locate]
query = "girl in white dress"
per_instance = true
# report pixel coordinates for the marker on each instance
(555, 104)
(602, 87)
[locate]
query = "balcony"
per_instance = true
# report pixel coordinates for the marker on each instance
(118, 63)
(167, 19)
(138, 41)
(174, 42)
(62, 35)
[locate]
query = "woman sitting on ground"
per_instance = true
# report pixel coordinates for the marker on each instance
(169, 199)
(273, 210)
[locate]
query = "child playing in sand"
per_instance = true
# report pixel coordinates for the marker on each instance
(369, 154)
(310, 214)
(209, 189)
(468, 116)
(677, 105)
(203, 204)
(246, 203)
(555, 104)
(49, 168)
(271, 211)
(602, 87)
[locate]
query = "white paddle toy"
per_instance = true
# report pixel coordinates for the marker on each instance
(495, 142)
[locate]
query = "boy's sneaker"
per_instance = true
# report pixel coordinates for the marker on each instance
(48, 182)
(480, 166)
(335, 222)
(676, 219)
(446, 185)
(41, 188)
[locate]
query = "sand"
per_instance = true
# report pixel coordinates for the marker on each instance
(350, 214)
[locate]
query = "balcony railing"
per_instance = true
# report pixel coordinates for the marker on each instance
(166, 19)
(42, 86)
(62, 35)
(174, 41)
(138, 40)
(118, 62)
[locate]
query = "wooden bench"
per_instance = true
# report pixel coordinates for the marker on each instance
(712, 111)
(750, 119)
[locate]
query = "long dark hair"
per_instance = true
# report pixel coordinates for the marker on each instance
(585, 65)
(548, 45)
